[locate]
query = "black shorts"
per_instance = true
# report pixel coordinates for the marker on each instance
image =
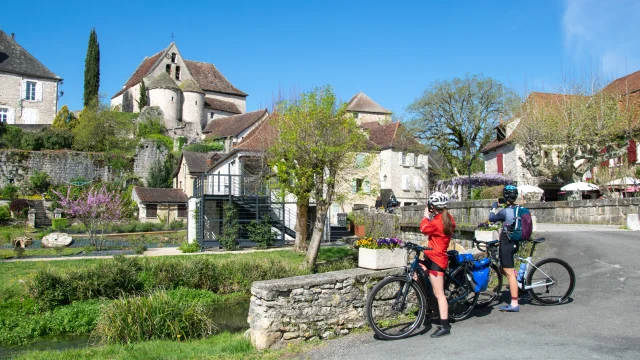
(508, 249)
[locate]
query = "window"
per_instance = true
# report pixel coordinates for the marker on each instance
(417, 183)
(30, 91)
(499, 159)
(355, 115)
(168, 69)
(415, 160)
(360, 161)
(211, 115)
(632, 152)
(173, 58)
(182, 211)
(152, 210)
(177, 72)
(405, 182)
(404, 158)
(4, 115)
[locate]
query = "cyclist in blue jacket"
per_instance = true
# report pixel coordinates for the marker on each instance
(508, 248)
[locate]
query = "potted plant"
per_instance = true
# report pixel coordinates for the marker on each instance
(487, 231)
(383, 253)
(359, 228)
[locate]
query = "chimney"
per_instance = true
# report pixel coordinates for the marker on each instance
(13, 36)
(209, 162)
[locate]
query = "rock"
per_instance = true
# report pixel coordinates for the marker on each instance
(56, 240)
(247, 335)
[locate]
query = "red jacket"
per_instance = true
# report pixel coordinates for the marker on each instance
(438, 241)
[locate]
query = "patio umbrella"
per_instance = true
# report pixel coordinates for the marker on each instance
(580, 186)
(625, 181)
(526, 189)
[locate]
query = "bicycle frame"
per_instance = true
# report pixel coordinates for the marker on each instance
(523, 284)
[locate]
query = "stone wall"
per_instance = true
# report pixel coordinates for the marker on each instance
(309, 307)
(16, 166)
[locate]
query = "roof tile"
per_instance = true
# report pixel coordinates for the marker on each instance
(363, 103)
(15, 59)
(217, 104)
(161, 196)
(233, 125)
(210, 79)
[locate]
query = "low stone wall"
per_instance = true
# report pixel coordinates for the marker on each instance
(319, 306)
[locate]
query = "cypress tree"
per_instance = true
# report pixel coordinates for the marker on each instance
(92, 69)
(143, 100)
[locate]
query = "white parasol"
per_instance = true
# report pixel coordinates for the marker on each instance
(624, 181)
(580, 186)
(526, 189)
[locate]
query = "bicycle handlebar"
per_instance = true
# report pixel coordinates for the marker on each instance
(415, 247)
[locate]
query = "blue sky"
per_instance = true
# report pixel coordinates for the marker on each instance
(391, 50)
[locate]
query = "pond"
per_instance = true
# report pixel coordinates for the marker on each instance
(231, 316)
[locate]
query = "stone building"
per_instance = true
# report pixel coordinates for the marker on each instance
(28, 90)
(189, 93)
(160, 205)
(364, 109)
(190, 166)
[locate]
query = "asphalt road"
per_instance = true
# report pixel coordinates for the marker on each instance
(601, 321)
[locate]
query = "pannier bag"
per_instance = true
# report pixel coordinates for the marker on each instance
(480, 274)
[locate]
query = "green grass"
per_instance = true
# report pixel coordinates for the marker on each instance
(10, 254)
(220, 346)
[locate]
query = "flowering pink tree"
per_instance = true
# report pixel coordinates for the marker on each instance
(97, 209)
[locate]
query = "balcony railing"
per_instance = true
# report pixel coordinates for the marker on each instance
(230, 185)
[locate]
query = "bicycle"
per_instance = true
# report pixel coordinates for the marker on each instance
(544, 281)
(398, 305)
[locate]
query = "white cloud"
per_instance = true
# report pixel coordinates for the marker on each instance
(603, 32)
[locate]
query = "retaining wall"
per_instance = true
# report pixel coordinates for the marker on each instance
(308, 307)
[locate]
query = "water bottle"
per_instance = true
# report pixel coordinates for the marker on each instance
(523, 267)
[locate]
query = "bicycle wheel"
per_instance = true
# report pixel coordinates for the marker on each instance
(466, 298)
(390, 314)
(494, 289)
(553, 281)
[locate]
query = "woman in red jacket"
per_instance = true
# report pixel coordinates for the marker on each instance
(438, 225)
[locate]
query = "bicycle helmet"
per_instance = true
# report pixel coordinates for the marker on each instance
(438, 200)
(510, 193)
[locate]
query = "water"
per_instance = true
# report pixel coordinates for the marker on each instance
(230, 316)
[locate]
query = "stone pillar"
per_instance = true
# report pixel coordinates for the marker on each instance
(31, 218)
(633, 222)
(191, 220)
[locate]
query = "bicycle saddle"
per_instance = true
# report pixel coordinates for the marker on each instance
(538, 240)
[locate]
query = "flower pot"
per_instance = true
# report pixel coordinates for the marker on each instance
(484, 235)
(378, 259)
(359, 231)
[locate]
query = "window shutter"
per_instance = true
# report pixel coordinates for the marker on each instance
(11, 116)
(417, 183)
(39, 91)
(405, 182)
(500, 164)
(23, 89)
(353, 186)
(632, 151)
(366, 186)
(400, 159)
(409, 160)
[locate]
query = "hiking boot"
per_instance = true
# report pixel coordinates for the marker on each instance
(510, 308)
(441, 331)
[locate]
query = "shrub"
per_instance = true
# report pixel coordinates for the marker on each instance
(150, 126)
(177, 224)
(56, 139)
(153, 317)
(205, 147)
(492, 192)
(10, 191)
(5, 213)
(186, 247)
(39, 182)
(19, 208)
(59, 224)
(230, 228)
(261, 233)
(13, 137)
(33, 141)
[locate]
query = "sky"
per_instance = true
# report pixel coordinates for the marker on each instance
(390, 50)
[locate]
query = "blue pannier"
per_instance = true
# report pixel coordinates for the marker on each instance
(480, 274)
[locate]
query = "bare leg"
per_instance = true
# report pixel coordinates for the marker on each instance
(513, 285)
(438, 290)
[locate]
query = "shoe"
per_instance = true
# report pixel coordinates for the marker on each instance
(510, 308)
(441, 331)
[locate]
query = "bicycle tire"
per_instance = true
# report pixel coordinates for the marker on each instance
(560, 274)
(492, 293)
(462, 308)
(382, 306)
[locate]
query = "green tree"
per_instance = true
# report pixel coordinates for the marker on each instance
(317, 142)
(39, 182)
(230, 228)
(92, 69)
(143, 100)
(457, 117)
(159, 175)
(64, 119)
(101, 129)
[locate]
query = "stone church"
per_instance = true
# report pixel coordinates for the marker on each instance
(189, 93)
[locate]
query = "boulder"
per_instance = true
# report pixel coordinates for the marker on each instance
(54, 240)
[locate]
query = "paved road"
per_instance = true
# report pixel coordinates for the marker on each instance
(601, 322)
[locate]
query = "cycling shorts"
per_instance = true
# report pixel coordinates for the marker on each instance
(433, 268)
(508, 250)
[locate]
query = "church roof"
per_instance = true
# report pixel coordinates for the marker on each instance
(206, 75)
(362, 103)
(14, 59)
(190, 86)
(162, 81)
(217, 104)
(233, 125)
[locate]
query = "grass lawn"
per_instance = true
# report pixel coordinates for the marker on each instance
(10, 254)
(220, 346)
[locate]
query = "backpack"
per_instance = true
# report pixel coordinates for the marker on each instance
(522, 225)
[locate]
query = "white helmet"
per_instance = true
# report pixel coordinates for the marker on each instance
(438, 200)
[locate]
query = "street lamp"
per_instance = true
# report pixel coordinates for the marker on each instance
(468, 151)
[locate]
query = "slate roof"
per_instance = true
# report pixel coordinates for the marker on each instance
(206, 75)
(210, 79)
(217, 104)
(162, 81)
(161, 196)
(190, 86)
(14, 59)
(362, 103)
(197, 162)
(233, 125)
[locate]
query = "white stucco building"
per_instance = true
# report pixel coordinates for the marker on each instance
(28, 90)
(190, 93)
